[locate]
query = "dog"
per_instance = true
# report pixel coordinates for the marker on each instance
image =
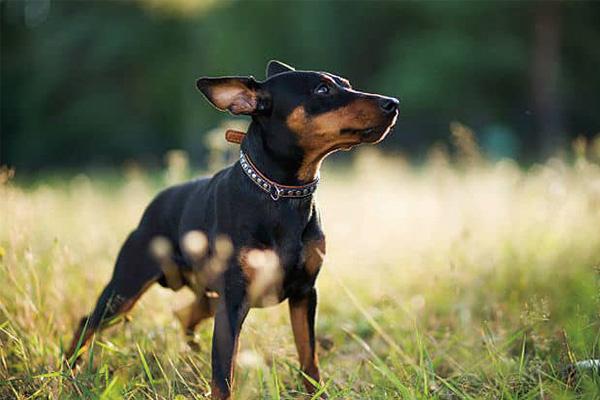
(264, 202)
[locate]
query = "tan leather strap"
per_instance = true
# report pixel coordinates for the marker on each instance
(233, 136)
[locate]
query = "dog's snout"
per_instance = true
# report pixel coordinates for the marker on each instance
(388, 104)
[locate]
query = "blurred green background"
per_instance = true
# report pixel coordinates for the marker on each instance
(88, 84)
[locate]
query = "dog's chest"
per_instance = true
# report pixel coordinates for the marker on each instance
(276, 273)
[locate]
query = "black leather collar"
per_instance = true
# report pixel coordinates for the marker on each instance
(274, 189)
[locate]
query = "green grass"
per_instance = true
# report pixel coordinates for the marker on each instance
(460, 279)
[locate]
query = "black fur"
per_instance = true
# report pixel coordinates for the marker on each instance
(231, 204)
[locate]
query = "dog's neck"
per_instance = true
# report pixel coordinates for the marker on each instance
(279, 164)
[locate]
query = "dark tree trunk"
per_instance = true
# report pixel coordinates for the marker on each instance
(544, 77)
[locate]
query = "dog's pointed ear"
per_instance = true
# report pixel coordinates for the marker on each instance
(275, 67)
(236, 94)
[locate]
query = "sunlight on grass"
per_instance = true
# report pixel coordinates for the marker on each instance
(460, 278)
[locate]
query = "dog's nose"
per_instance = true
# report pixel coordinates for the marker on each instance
(388, 104)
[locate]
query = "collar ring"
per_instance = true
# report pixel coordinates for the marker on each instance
(275, 192)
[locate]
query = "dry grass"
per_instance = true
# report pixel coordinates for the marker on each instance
(458, 279)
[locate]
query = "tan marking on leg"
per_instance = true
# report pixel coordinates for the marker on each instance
(215, 393)
(194, 313)
(89, 332)
(77, 336)
(309, 362)
(201, 308)
(128, 305)
(314, 253)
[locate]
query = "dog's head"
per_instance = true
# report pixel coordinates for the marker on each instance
(315, 113)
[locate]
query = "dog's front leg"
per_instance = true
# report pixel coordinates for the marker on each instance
(302, 316)
(229, 316)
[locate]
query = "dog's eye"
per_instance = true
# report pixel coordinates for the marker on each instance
(322, 89)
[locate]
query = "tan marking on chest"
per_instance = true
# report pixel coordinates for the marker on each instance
(314, 254)
(263, 273)
(248, 270)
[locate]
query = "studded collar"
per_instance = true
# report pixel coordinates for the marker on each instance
(274, 189)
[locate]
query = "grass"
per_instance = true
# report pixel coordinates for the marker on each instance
(462, 278)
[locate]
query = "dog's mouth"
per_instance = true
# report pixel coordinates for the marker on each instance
(374, 134)
(378, 134)
(366, 134)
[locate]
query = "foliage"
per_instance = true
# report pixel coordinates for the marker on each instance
(99, 82)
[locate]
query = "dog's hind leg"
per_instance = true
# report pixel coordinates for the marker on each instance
(135, 271)
(201, 308)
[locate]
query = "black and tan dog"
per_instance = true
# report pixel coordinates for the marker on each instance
(264, 201)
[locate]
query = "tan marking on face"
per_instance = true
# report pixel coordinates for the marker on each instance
(234, 96)
(333, 78)
(345, 81)
(314, 253)
(321, 135)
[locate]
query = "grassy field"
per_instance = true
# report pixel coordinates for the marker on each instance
(461, 278)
